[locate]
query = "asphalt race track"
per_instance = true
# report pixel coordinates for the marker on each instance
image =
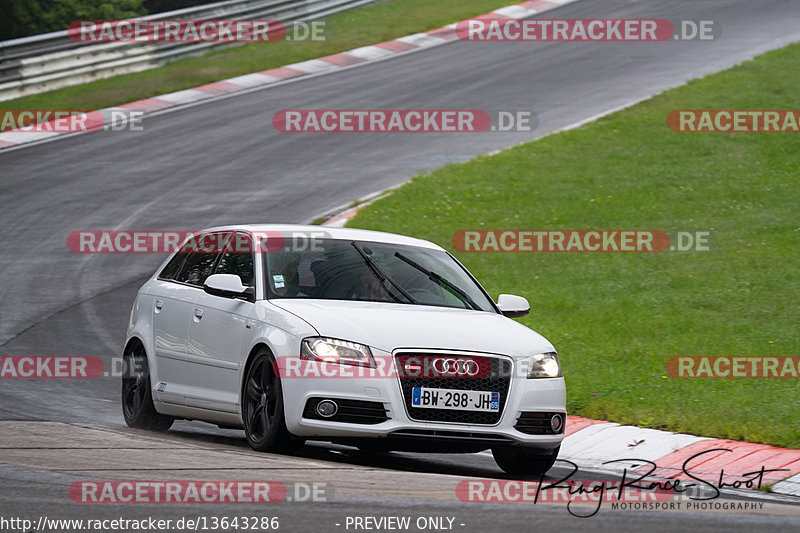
(223, 162)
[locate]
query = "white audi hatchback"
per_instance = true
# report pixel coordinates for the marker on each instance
(375, 340)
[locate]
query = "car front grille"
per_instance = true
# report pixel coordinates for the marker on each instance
(495, 376)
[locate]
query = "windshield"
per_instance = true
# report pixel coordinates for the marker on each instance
(373, 272)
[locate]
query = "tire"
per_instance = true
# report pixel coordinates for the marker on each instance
(519, 460)
(262, 408)
(137, 397)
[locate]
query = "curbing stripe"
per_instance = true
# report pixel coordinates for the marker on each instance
(540, 5)
(183, 97)
(147, 105)
(253, 80)
(597, 442)
(313, 66)
(344, 59)
(369, 52)
(397, 46)
(579, 441)
(621, 442)
(219, 87)
(515, 12)
(577, 423)
(284, 73)
(340, 220)
(423, 40)
(22, 137)
(447, 33)
(745, 458)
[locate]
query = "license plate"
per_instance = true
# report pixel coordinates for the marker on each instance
(457, 400)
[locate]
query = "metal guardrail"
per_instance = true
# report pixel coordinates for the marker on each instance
(39, 63)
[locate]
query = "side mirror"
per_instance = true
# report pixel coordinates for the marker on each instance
(513, 306)
(227, 286)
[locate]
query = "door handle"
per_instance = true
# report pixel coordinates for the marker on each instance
(159, 303)
(198, 312)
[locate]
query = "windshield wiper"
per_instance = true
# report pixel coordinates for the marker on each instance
(433, 276)
(382, 276)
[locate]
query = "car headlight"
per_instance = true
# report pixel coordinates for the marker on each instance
(544, 365)
(336, 351)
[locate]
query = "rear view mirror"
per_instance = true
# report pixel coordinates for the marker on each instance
(227, 286)
(513, 306)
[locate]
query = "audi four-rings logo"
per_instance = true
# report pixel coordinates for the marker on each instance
(433, 367)
(456, 367)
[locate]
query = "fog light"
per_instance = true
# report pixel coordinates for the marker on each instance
(328, 408)
(555, 423)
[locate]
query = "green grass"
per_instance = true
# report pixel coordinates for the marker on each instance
(350, 29)
(617, 318)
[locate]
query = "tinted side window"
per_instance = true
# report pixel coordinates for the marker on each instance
(200, 262)
(238, 261)
(172, 268)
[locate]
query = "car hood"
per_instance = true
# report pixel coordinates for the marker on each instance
(389, 326)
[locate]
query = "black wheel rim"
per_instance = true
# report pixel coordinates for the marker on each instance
(134, 381)
(261, 399)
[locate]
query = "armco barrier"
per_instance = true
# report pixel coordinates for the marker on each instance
(31, 65)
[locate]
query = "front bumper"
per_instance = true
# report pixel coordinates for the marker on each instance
(524, 395)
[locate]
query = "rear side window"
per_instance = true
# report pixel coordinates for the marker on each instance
(172, 268)
(238, 260)
(200, 262)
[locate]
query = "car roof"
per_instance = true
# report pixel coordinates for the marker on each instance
(329, 232)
